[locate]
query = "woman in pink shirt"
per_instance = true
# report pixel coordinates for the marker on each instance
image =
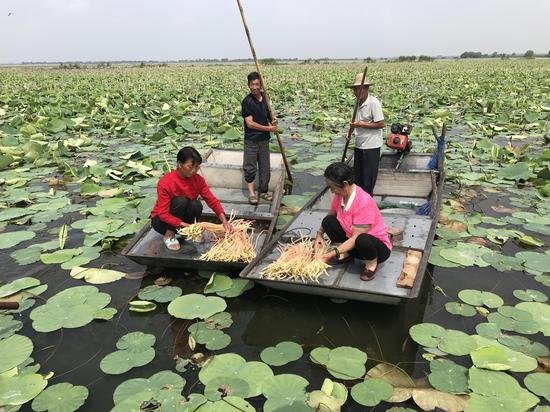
(354, 223)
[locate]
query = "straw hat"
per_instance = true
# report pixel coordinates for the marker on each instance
(358, 78)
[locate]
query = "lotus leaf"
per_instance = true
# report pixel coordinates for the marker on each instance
(232, 365)
(27, 256)
(371, 392)
(59, 256)
(527, 327)
(142, 306)
(488, 330)
(330, 398)
(436, 259)
(220, 387)
(456, 343)
(8, 326)
(530, 295)
(346, 362)
(466, 254)
(105, 314)
(238, 287)
(427, 334)
(286, 390)
(193, 403)
(62, 397)
(218, 283)
(136, 342)
(503, 263)
(18, 285)
(194, 306)
(462, 309)
(70, 308)
(10, 239)
(517, 171)
(227, 404)
(479, 298)
(95, 275)
(220, 320)
(320, 355)
(540, 312)
(282, 353)
(122, 361)
(19, 389)
(497, 391)
(160, 385)
(15, 350)
(213, 339)
(447, 376)
(539, 262)
(539, 384)
(161, 294)
(499, 357)
(524, 345)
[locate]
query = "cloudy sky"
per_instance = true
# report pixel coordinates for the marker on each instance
(96, 30)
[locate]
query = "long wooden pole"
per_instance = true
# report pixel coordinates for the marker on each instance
(355, 109)
(264, 88)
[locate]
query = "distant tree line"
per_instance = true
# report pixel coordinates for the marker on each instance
(529, 54)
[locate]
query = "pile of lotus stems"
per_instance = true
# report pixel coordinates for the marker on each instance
(195, 231)
(233, 247)
(298, 261)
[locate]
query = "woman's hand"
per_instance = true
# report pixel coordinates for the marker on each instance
(228, 226)
(326, 257)
(183, 224)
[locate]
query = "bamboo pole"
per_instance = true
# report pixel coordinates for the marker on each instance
(355, 109)
(264, 88)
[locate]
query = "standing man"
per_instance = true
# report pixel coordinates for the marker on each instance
(258, 124)
(368, 131)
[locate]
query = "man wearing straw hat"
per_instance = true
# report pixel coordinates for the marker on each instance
(368, 128)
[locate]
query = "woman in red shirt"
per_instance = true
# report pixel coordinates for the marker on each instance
(177, 203)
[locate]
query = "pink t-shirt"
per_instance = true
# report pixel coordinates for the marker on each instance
(362, 211)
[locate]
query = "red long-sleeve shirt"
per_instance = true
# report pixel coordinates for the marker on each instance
(171, 185)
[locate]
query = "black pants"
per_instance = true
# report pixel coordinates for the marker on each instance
(365, 168)
(180, 206)
(367, 247)
(256, 159)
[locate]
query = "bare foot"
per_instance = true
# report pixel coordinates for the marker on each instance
(371, 265)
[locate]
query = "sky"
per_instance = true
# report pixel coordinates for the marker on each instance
(112, 30)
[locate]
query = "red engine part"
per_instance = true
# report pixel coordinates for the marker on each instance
(398, 142)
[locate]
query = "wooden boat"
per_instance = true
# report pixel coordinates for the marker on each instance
(401, 182)
(222, 170)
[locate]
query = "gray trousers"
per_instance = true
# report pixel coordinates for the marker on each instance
(256, 159)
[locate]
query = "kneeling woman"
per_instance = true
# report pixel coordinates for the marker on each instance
(177, 203)
(354, 223)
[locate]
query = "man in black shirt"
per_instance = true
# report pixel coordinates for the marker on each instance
(258, 124)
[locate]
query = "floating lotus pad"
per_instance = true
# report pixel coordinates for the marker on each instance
(501, 358)
(220, 320)
(95, 275)
(8, 326)
(194, 306)
(232, 365)
(503, 263)
(70, 308)
(447, 376)
(19, 389)
(238, 287)
(134, 350)
(539, 262)
(461, 309)
(456, 343)
(224, 386)
(344, 362)
(466, 254)
(284, 391)
(141, 306)
(227, 404)
(217, 283)
(160, 294)
(213, 339)
(540, 312)
(530, 295)
(539, 384)
(282, 353)
(371, 392)
(524, 345)
(164, 386)
(15, 350)
(62, 397)
(18, 285)
(480, 298)
(330, 398)
(488, 330)
(497, 391)
(527, 327)
(59, 256)
(10, 239)
(427, 334)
